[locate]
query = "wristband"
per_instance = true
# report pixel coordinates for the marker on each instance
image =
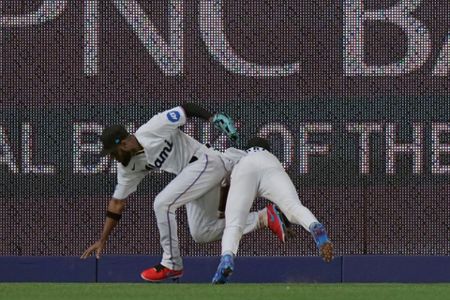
(114, 216)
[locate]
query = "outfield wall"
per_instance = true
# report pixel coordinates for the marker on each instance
(406, 269)
(353, 95)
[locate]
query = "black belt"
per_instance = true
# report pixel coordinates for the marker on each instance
(193, 158)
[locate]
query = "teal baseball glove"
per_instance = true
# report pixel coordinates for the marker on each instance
(225, 124)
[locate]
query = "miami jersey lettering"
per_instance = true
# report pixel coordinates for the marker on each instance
(163, 154)
(167, 147)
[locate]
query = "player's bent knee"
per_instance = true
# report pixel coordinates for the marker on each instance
(197, 237)
(160, 204)
(200, 236)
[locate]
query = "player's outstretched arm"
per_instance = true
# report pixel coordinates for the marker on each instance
(113, 214)
(195, 110)
(224, 189)
(221, 121)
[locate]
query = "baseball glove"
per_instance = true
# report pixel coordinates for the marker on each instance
(225, 124)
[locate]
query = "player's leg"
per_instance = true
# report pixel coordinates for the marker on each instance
(192, 183)
(277, 186)
(202, 215)
(243, 189)
(204, 224)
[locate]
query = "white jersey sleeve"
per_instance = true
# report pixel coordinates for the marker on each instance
(127, 181)
(162, 124)
(123, 191)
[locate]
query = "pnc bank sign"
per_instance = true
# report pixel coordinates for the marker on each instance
(168, 52)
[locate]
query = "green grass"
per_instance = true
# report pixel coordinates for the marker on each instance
(99, 291)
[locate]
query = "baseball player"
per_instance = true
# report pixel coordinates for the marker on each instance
(199, 170)
(260, 174)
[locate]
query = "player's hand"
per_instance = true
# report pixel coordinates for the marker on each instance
(98, 247)
(225, 124)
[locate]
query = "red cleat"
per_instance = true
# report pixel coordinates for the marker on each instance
(160, 273)
(275, 222)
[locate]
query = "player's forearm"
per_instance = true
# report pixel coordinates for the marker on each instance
(194, 110)
(108, 228)
(113, 214)
(224, 188)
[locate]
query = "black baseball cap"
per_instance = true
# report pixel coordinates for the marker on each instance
(258, 142)
(111, 137)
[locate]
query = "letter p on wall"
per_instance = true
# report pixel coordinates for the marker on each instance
(49, 10)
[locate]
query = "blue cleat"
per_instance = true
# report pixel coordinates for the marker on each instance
(323, 243)
(224, 270)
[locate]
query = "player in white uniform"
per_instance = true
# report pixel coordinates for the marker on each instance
(260, 174)
(160, 144)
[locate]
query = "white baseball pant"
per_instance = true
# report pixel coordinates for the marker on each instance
(260, 174)
(197, 187)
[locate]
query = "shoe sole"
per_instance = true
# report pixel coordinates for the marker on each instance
(326, 251)
(278, 215)
(290, 234)
(227, 272)
(176, 277)
(224, 278)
